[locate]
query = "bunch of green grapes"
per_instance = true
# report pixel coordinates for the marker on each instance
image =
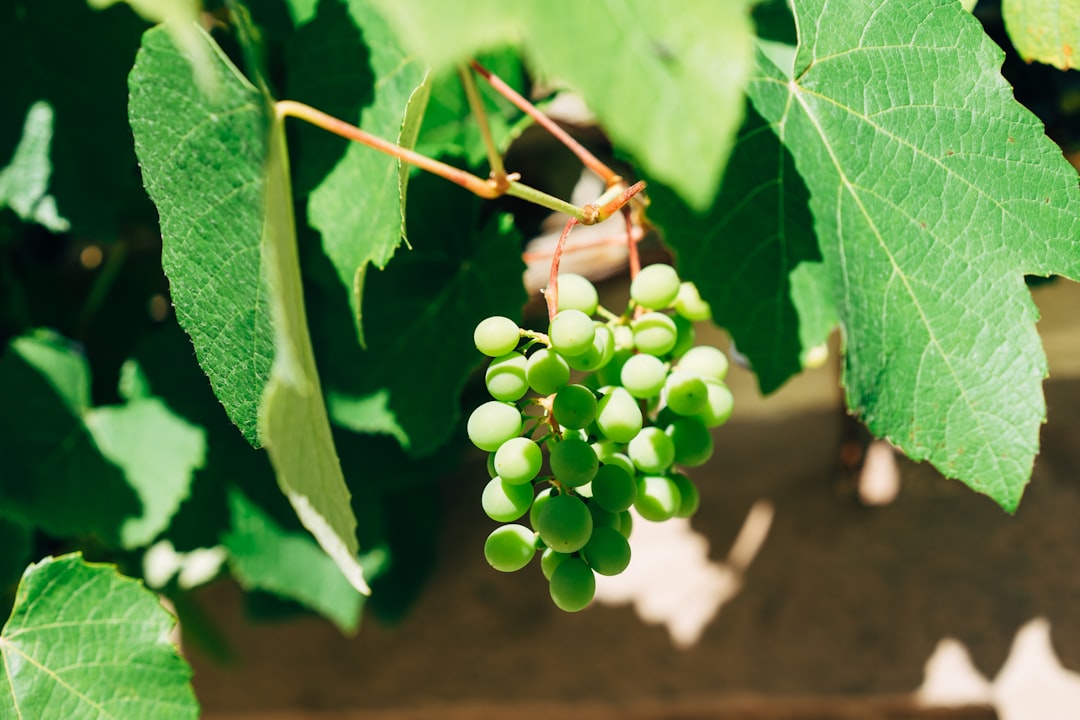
(641, 410)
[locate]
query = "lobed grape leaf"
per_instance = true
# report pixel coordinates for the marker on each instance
(933, 194)
(265, 556)
(85, 642)
(230, 253)
(696, 60)
(119, 471)
(1044, 30)
(357, 194)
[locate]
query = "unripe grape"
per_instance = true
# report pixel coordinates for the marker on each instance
(549, 560)
(505, 502)
(505, 377)
(652, 450)
(601, 517)
(573, 462)
(599, 353)
(655, 333)
(692, 440)
(573, 585)
(624, 337)
(496, 336)
(685, 394)
(492, 424)
(655, 287)
(564, 523)
(704, 361)
(518, 460)
(618, 415)
(658, 498)
(611, 455)
(643, 375)
(614, 488)
(626, 523)
(718, 408)
(574, 407)
(546, 371)
(509, 548)
(607, 551)
(571, 333)
(684, 335)
(576, 292)
(689, 499)
(542, 498)
(690, 305)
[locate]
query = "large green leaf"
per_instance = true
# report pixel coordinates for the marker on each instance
(694, 60)
(933, 194)
(359, 205)
(754, 256)
(230, 253)
(116, 471)
(85, 642)
(1044, 30)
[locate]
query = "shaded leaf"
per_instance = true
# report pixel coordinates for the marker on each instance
(933, 194)
(696, 60)
(85, 642)
(24, 183)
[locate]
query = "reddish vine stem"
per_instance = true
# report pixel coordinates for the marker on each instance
(631, 245)
(609, 176)
(552, 294)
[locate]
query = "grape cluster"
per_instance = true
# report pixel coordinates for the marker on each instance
(642, 408)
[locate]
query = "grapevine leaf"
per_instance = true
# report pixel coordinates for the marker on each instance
(83, 641)
(359, 206)
(698, 63)
(754, 256)
(264, 556)
(117, 471)
(430, 296)
(211, 222)
(1044, 30)
(24, 183)
(230, 253)
(933, 194)
(91, 175)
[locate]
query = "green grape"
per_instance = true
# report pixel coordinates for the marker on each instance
(607, 551)
(510, 548)
(690, 305)
(505, 502)
(574, 407)
(564, 523)
(505, 377)
(655, 286)
(518, 460)
(614, 487)
(686, 394)
(706, 362)
(571, 333)
(626, 523)
(492, 424)
(618, 415)
(689, 498)
(599, 353)
(643, 375)
(658, 498)
(492, 472)
(539, 502)
(612, 455)
(685, 335)
(573, 585)
(692, 440)
(576, 292)
(549, 560)
(718, 407)
(655, 333)
(546, 371)
(624, 338)
(652, 450)
(573, 462)
(496, 336)
(601, 517)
